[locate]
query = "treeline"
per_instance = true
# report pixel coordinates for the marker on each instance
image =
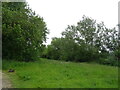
(87, 41)
(23, 32)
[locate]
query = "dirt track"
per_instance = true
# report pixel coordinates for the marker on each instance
(4, 81)
(0, 79)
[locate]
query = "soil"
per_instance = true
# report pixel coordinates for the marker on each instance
(4, 81)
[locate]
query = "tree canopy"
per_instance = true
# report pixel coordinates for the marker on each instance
(87, 41)
(23, 32)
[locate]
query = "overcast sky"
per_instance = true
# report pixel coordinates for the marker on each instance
(59, 13)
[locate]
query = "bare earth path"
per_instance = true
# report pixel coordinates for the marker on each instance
(0, 79)
(4, 81)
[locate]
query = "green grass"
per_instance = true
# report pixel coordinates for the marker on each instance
(58, 74)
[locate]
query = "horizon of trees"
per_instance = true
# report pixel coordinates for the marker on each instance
(87, 41)
(24, 32)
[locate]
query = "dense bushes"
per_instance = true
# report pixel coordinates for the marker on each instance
(110, 59)
(68, 50)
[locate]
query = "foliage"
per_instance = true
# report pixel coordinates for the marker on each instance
(86, 42)
(109, 59)
(23, 32)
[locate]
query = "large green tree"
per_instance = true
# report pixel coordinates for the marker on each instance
(86, 41)
(23, 32)
(91, 33)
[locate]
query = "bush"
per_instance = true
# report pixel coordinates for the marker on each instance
(109, 60)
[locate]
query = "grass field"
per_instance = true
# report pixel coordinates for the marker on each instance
(59, 74)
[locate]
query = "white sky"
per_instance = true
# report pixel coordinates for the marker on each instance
(59, 13)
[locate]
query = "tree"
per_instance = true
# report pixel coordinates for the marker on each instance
(87, 41)
(61, 49)
(83, 35)
(23, 32)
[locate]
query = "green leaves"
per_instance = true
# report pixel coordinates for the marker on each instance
(23, 32)
(83, 42)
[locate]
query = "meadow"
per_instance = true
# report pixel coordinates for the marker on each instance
(46, 73)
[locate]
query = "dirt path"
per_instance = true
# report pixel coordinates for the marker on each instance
(0, 79)
(4, 81)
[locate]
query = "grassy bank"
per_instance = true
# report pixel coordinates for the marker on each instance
(58, 74)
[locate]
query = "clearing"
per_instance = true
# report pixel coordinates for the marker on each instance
(46, 73)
